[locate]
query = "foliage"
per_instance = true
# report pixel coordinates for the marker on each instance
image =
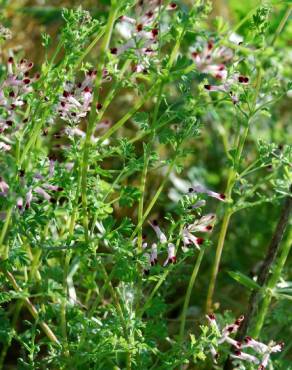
(144, 163)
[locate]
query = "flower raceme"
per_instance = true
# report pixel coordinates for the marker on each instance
(228, 85)
(212, 60)
(39, 188)
(141, 34)
(260, 348)
(13, 91)
(151, 258)
(226, 332)
(204, 224)
(75, 102)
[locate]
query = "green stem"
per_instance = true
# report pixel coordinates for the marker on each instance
(282, 24)
(154, 199)
(128, 115)
(68, 254)
(221, 240)
(155, 289)
(4, 250)
(240, 142)
(46, 329)
(147, 154)
(92, 118)
(162, 278)
(188, 294)
(274, 261)
(271, 285)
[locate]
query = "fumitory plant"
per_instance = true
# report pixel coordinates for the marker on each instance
(145, 187)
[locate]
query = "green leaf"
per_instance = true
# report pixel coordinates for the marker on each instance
(142, 120)
(283, 296)
(244, 280)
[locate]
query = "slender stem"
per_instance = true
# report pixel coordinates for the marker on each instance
(188, 294)
(75, 205)
(145, 168)
(117, 179)
(92, 118)
(91, 46)
(46, 329)
(64, 304)
(240, 142)
(221, 240)
(68, 254)
(271, 286)
(161, 280)
(282, 24)
(260, 299)
(245, 18)
(141, 200)
(4, 231)
(120, 313)
(154, 199)
(275, 257)
(128, 115)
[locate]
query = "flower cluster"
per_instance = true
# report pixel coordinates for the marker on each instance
(13, 92)
(213, 61)
(261, 349)
(204, 224)
(35, 190)
(5, 33)
(228, 85)
(75, 102)
(141, 34)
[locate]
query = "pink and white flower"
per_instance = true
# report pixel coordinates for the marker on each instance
(160, 235)
(75, 102)
(226, 332)
(228, 85)
(141, 34)
(153, 255)
(203, 190)
(212, 60)
(204, 224)
(262, 349)
(4, 187)
(171, 257)
(239, 355)
(13, 92)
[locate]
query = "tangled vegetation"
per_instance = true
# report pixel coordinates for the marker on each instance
(145, 185)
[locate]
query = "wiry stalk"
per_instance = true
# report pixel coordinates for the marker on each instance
(189, 292)
(91, 123)
(46, 329)
(274, 261)
(230, 184)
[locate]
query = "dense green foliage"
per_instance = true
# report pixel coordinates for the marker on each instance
(145, 185)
